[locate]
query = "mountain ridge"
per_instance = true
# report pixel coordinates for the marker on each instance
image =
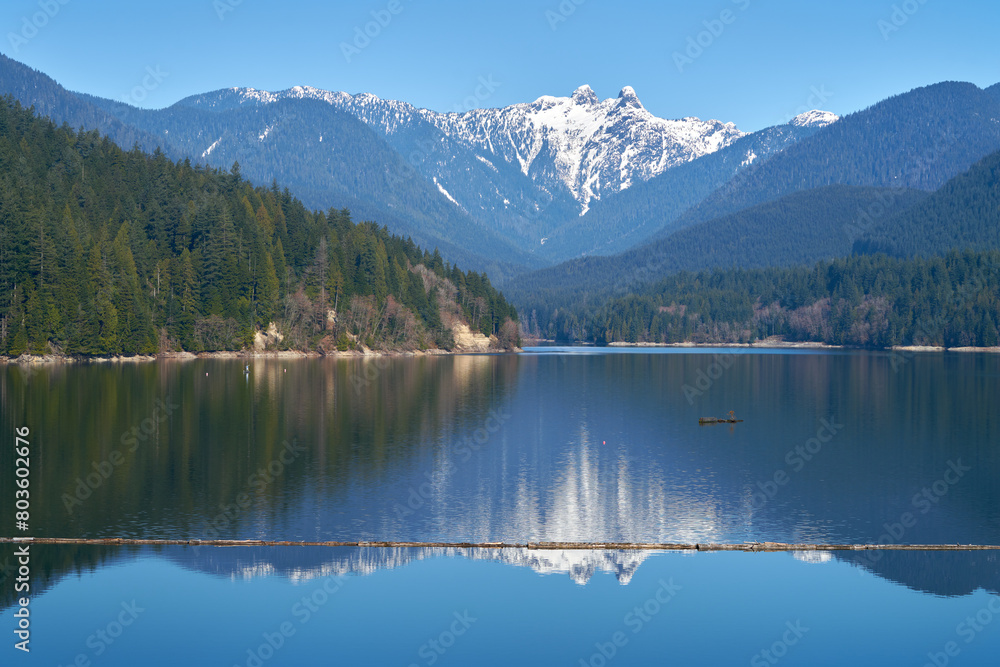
(584, 115)
(918, 139)
(33, 88)
(533, 182)
(782, 232)
(489, 187)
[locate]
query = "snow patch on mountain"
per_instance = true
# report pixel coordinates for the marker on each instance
(486, 162)
(446, 193)
(208, 151)
(815, 118)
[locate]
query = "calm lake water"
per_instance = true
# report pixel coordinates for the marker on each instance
(555, 444)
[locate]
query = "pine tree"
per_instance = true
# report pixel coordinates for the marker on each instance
(187, 287)
(268, 292)
(280, 268)
(135, 326)
(17, 336)
(101, 330)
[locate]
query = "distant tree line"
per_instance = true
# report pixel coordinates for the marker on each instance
(871, 301)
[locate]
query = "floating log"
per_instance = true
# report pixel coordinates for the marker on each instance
(541, 546)
(731, 419)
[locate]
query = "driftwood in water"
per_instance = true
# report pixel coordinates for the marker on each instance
(592, 546)
(731, 419)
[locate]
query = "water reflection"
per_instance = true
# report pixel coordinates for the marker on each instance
(596, 446)
(942, 574)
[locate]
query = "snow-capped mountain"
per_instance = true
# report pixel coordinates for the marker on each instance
(591, 147)
(308, 563)
(496, 188)
(582, 144)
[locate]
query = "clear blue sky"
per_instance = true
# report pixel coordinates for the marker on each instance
(764, 63)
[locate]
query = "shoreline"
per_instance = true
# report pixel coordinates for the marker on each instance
(808, 345)
(759, 344)
(31, 359)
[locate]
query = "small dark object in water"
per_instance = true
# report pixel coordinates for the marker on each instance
(715, 420)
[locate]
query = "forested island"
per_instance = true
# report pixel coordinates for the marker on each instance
(106, 252)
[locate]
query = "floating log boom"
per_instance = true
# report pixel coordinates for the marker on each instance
(540, 546)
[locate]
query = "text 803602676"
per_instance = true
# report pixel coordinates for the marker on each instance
(22, 507)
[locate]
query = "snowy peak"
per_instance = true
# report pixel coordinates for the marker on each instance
(814, 118)
(585, 95)
(628, 98)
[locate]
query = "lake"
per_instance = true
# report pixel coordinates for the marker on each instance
(556, 444)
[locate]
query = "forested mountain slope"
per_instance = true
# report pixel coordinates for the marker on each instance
(626, 219)
(33, 88)
(964, 213)
(918, 140)
(800, 228)
(107, 252)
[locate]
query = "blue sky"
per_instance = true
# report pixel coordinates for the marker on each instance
(751, 62)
